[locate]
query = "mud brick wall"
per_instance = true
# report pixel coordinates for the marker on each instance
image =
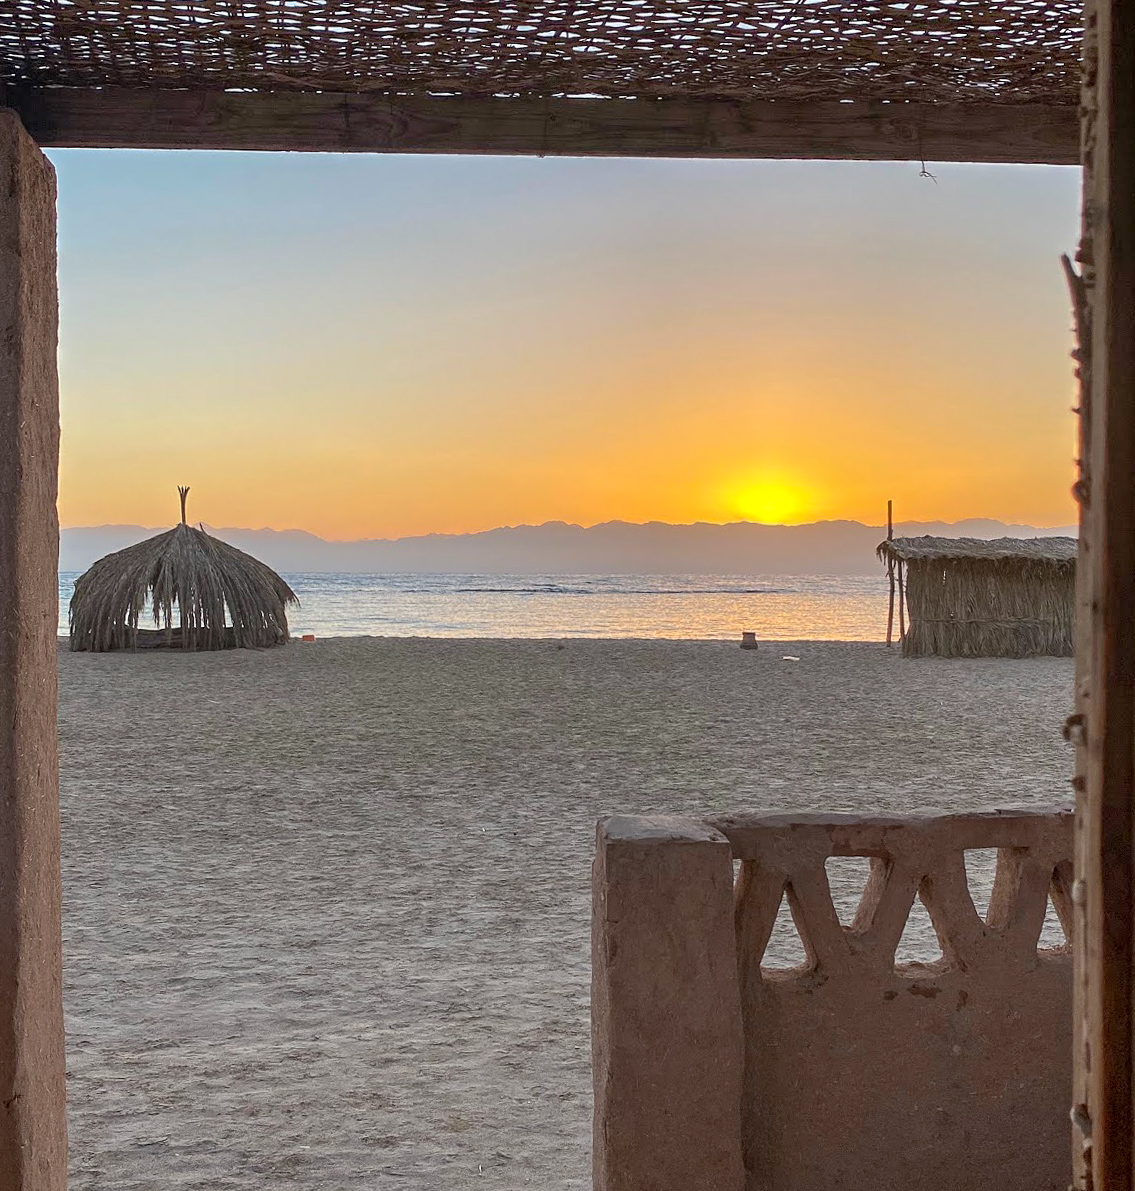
(856, 1071)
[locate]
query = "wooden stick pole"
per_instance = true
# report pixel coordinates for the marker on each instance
(902, 601)
(891, 577)
(891, 605)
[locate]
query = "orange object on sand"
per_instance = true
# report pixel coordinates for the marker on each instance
(308, 637)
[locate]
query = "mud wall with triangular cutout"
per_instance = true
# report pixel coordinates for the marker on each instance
(906, 992)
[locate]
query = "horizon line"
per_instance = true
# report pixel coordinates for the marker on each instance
(109, 525)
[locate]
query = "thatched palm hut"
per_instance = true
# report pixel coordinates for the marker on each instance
(225, 599)
(1010, 597)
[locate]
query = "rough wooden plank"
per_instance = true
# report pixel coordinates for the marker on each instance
(323, 121)
(33, 1124)
(1081, 288)
(1109, 856)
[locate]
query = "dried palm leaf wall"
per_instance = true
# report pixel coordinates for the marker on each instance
(989, 608)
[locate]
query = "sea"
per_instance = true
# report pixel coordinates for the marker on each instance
(679, 607)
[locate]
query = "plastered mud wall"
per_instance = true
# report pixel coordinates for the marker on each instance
(855, 1071)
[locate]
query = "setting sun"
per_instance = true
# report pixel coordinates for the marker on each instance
(770, 500)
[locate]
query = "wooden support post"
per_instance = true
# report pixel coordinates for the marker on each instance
(33, 1123)
(1106, 845)
(1081, 285)
(902, 605)
(891, 604)
(891, 577)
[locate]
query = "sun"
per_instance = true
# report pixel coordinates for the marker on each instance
(771, 501)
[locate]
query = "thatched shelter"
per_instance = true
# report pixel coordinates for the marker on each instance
(225, 599)
(1010, 597)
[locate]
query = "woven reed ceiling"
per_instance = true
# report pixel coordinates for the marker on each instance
(956, 51)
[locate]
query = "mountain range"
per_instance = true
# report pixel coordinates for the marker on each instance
(613, 547)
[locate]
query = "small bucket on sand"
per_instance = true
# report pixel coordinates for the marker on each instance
(748, 640)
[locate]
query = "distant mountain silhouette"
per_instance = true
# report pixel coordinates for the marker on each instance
(615, 547)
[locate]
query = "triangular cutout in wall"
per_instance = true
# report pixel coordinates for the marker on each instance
(981, 868)
(1052, 936)
(847, 879)
(785, 951)
(918, 943)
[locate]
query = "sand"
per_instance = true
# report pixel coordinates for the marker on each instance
(327, 907)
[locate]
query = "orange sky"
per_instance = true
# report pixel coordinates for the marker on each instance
(388, 346)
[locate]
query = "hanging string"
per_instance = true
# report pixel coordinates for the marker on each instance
(924, 172)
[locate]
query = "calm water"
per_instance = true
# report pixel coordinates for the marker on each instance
(776, 607)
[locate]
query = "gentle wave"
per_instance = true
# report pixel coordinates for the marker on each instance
(590, 591)
(776, 607)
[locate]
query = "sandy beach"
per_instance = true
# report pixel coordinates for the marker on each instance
(327, 906)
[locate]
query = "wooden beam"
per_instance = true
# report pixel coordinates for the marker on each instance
(33, 1116)
(322, 121)
(1108, 854)
(1081, 286)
